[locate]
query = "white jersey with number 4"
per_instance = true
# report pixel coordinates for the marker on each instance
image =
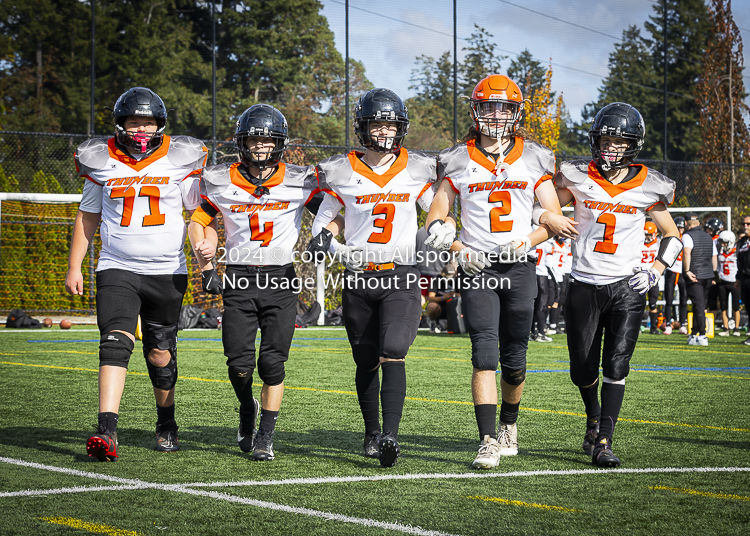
(611, 218)
(141, 202)
(495, 209)
(380, 209)
(261, 230)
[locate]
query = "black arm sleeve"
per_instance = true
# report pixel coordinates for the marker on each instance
(314, 204)
(209, 209)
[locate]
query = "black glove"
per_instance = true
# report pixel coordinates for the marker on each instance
(211, 282)
(320, 243)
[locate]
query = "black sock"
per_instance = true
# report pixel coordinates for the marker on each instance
(268, 420)
(508, 412)
(392, 394)
(164, 415)
(590, 396)
(612, 395)
(368, 388)
(108, 420)
(486, 415)
(654, 318)
(554, 316)
(242, 381)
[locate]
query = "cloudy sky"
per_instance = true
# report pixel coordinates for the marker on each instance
(578, 36)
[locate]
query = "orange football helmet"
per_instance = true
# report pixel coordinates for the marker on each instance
(650, 231)
(496, 106)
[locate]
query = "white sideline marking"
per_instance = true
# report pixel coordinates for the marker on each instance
(135, 484)
(458, 476)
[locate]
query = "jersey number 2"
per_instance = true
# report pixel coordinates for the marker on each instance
(128, 194)
(497, 226)
(607, 245)
(386, 224)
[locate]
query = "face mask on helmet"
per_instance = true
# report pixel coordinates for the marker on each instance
(496, 106)
(261, 121)
(381, 108)
(727, 241)
(616, 120)
(139, 103)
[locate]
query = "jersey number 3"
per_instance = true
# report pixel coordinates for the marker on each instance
(386, 224)
(153, 194)
(607, 245)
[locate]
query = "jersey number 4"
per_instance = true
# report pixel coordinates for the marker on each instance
(386, 224)
(128, 194)
(607, 245)
(256, 234)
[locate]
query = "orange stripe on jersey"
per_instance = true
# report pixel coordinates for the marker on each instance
(616, 189)
(381, 180)
(210, 203)
(480, 158)
(137, 165)
(201, 217)
(92, 180)
(334, 194)
(274, 180)
(650, 243)
(652, 206)
(426, 187)
(540, 181)
(451, 183)
(315, 191)
(197, 171)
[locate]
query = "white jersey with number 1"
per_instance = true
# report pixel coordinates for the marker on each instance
(611, 218)
(141, 202)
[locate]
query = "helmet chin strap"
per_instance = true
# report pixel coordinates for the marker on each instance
(500, 165)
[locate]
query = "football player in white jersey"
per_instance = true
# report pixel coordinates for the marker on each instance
(673, 277)
(606, 296)
(261, 200)
(545, 294)
(728, 283)
(380, 190)
(137, 184)
(561, 261)
(496, 173)
(649, 251)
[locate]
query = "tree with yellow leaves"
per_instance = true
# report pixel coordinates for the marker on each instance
(543, 118)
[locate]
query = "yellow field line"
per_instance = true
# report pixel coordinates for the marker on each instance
(416, 399)
(524, 504)
(701, 493)
(88, 527)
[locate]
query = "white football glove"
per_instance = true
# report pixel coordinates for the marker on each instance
(472, 261)
(442, 235)
(644, 279)
(352, 257)
(513, 251)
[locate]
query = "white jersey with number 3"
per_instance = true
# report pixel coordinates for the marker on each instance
(611, 218)
(495, 208)
(141, 202)
(261, 230)
(380, 210)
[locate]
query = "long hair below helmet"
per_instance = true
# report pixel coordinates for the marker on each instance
(377, 106)
(139, 102)
(261, 121)
(619, 120)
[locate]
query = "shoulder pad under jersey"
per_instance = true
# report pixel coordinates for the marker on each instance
(422, 166)
(300, 177)
(538, 158)
(452, 160)
(575, 172)
(188, 152)
(91, 155)
(660, 186)
(334, 171)
(215, 179)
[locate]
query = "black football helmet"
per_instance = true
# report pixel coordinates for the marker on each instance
(140, 102)
(679, 221)
(714, 226)
(619, 120)
(262, 121)
(379, 105)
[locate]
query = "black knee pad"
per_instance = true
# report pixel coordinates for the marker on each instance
(365, 356)
(156, 337)
(163, 377)
(272, 373)
(514, 377)
(115, 349)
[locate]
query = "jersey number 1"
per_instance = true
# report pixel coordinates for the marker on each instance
(128, 194)
(607, 245)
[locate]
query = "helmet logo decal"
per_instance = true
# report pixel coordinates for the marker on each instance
(143, 112)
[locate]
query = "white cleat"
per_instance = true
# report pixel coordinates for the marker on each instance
(488, 456)
(507, 436)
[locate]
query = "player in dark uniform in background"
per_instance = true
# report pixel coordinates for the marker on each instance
(743, 266)
(261, 200)
(606, 296)
(673, 277)
(137, 185)
(380, 189)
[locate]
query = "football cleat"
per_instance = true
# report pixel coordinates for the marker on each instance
(372, 450)
(590, 439)
(247, 432)
(263, 450)
(541, 337)
(747, 341)
(724, 333)
(507, 437)
(654, 331)
(736, 333)
(603, 455)
(166, 437)
(389, 451)
(488, 456)
(683, 330)
(103, 445)
(668, 330)
(698, 340)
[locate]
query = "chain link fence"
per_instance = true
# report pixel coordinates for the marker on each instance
(35, 238)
